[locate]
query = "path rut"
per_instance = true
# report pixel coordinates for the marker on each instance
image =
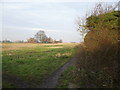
(50, 82)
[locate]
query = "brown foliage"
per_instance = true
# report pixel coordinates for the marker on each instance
(98, 68)
(97, 60)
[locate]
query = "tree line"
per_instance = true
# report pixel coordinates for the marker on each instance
(39, 37)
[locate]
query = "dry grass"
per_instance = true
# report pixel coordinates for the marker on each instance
(17, 46)
(55, 47)
(63, 54)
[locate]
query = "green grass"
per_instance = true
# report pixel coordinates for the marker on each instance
(67, 77)
(7, 85)
(36, 63)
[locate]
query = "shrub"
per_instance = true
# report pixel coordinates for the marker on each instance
(97, 60)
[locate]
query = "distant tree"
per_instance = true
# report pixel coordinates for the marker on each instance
(40, 36)
(57, 41)
(49, 40)
(19, 41)
(6, 41)
(54, 41)
(31, 40)
(61, 41)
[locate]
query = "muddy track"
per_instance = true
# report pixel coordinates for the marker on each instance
(50, 82)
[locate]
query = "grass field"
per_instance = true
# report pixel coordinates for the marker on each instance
(34, 62)
(67, 78)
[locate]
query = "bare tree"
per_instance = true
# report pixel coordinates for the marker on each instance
(31, 40)
(40, 36)
(81, 25)
(49, 40)
(100, 8)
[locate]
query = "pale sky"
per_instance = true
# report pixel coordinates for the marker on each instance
(21, 19)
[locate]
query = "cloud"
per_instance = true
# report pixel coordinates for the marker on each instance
(15, 6)
(49, 15)
(41, 1)
(23, 33)
(22, 19)
(17, 28)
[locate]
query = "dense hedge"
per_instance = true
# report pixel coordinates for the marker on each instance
(98, 63)
(106, 20)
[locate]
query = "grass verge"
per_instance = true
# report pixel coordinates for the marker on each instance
(67, 78)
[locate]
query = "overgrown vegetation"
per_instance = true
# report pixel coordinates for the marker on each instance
(97, 63)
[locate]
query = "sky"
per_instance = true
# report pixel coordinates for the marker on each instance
(22, 19)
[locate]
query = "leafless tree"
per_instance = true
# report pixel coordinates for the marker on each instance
(31, 40)
(40, 36)
(100, 8)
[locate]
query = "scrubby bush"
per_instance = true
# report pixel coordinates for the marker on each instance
(97, 60)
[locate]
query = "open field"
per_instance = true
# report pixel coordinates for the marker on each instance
(34, 62)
